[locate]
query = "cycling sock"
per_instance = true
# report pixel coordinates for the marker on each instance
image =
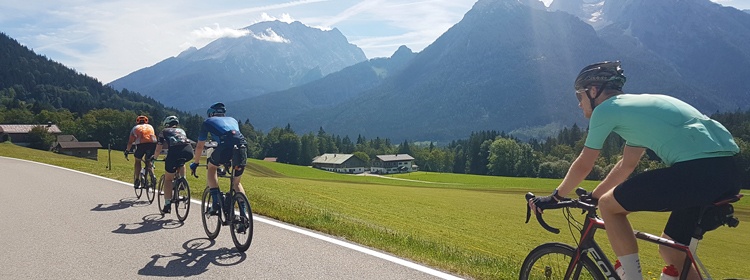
(632, 266)
(215, 195)
(242, 208)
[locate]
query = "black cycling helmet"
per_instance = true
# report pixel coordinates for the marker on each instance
(171, 120)
(216, 108)
(605, 75)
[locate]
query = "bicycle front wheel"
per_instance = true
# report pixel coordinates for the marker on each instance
(241, 222)
(551, 260)
(182, 200)
(160, 194)
(211, 221)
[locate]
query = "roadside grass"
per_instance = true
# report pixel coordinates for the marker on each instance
(468, 225)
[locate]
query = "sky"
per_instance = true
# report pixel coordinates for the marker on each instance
(108, 39)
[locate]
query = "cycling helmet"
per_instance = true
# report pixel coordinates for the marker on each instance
(605, 75)
(216, 109)
(171, 120)
(141, 120)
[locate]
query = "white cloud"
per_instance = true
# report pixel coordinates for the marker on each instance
(284, 18)
(219, 32)
(270, 36)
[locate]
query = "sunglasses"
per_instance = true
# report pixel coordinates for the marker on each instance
(580, 92)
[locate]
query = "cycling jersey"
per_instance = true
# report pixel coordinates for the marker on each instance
(173, 136)
(673, 129)
(224, 130)
(142, 133)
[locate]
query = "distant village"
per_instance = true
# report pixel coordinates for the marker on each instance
(340, 163)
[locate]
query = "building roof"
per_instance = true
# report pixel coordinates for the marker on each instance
(25, 128)
(79, 145)
(396, 157)
(332, 158)
(66, 138)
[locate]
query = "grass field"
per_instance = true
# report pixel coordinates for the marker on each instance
(468, 225)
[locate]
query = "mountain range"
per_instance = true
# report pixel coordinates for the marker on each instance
(509, 65)
(271, 56)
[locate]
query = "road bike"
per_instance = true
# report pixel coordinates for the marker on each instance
(146, 179)
(235, 211)
(588, 261)
(180, 194)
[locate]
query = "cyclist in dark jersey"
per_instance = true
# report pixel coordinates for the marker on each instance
(231, 149)
(697, 150)
(179, 151)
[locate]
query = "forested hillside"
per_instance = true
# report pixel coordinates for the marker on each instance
(35, 89)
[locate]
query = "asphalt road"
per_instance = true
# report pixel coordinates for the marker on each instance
(57, 223)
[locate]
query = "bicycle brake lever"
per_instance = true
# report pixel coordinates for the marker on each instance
(529, 195)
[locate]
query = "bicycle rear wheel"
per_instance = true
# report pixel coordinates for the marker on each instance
(182, 201)
(551, 260)
(151, 189)
(241, 222)
(211, 222)
(141, 186)
(160, 194)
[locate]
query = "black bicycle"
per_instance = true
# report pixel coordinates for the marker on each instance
(146, 179)
(180, 195)
(588, 261)
(235, 211)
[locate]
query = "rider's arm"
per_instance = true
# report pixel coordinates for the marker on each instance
(578, 171)
(630, 158)
(198, 151)
(131, 138)
(157, 152)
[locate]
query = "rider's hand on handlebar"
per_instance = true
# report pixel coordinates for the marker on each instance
(193, 167)
(539, 203)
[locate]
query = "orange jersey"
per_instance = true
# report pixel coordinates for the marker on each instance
(142, 133)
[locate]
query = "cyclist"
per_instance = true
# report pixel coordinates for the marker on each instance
(179, 151)
(697, 150)
(231, 149)
(143, 137)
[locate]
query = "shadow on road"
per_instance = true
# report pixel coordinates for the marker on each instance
(124, 203)
(194, 261)
(151, 222)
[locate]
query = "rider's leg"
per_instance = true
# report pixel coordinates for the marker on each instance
(136, 171)
(676, 258)
(620, 235)
(168, 178)
(213, 183)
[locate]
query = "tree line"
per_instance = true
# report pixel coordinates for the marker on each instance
(482, 153)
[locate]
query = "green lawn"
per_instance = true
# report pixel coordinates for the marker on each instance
(465, 224)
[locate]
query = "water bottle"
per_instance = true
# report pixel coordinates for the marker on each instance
(619, 270)
(669, 273)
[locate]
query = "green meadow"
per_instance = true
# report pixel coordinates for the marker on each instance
(468, 225)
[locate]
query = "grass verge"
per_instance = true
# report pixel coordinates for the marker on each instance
(468, 225)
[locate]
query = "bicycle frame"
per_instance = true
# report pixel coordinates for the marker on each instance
(588, 246)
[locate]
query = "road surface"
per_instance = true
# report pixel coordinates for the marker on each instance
(57, 223)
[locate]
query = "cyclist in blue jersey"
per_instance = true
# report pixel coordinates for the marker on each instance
(231, 149)
(697, 150)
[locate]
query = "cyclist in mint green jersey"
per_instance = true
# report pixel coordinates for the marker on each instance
(697, 150)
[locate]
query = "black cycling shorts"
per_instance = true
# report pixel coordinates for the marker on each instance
(177, 156)
(683, 188)
(225, 154)
(142, 149)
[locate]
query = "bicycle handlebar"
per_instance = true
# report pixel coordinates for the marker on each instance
(568, 203)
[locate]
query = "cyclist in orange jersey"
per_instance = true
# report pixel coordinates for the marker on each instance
(142, 136)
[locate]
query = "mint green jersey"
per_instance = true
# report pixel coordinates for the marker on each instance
(673, 129)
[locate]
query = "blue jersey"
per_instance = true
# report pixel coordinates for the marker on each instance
(220, 128)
